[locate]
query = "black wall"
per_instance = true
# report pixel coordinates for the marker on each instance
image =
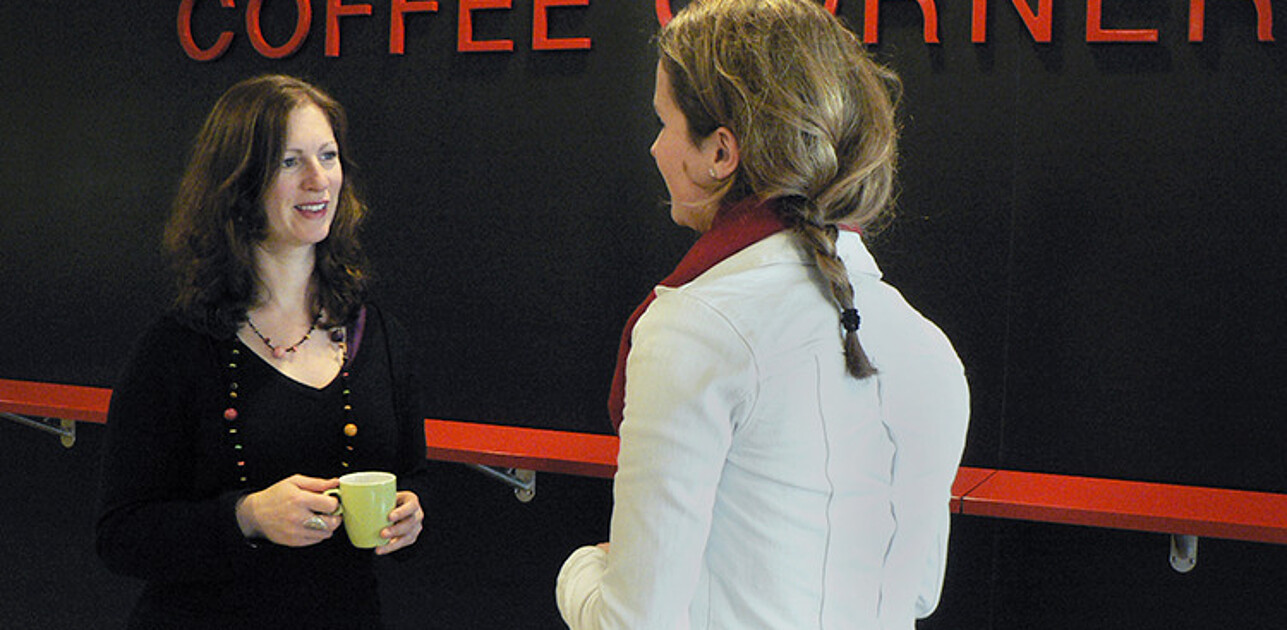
(1096, 226)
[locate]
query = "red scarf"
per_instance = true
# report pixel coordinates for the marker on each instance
(733, 229)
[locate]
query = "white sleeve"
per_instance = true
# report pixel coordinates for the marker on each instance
(689, 377)
(577, 589)
(925, 405)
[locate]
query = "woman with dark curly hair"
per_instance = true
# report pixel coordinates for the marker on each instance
(790, 427)
(271, 377)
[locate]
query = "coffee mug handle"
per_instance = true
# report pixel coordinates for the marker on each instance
(339, 504)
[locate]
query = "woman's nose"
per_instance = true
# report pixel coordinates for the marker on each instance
(314, 175)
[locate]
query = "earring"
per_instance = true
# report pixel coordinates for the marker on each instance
(711, 172)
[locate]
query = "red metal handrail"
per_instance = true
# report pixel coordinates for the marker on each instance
(1007, 494)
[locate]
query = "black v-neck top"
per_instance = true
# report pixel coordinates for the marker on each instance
(171, 476)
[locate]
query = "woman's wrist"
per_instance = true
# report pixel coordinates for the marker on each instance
(246, 517)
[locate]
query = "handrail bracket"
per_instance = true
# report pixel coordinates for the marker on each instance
(64, 429)
(1184, 552)
(523, 481)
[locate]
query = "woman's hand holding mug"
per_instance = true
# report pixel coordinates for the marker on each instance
(293, 512)
(406, 521)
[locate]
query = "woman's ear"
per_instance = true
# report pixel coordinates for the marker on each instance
(723, 153)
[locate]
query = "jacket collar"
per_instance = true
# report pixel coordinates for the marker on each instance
(785, 248)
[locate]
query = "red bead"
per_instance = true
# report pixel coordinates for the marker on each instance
(230, 414)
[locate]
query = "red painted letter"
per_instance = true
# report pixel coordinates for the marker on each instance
(979, 22)
(541, 27)
(465, 28)
(1264, 20)
(1039, 24)
(1198, 20)
(871, 21)
(397, 30)
(664, 14)
(335, 9)
(1096, 33)
(256, 34)
(190, 45)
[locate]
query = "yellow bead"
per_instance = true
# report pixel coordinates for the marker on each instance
(350, 429)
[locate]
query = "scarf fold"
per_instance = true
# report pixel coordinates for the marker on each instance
(733, 229)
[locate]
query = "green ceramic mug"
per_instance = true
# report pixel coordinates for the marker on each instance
(366, 498)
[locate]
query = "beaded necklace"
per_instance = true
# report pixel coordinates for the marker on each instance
(280, 351)
(233, 421)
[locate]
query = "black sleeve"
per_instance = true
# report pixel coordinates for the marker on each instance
(150, 525)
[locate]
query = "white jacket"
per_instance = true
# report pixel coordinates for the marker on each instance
(760, 486)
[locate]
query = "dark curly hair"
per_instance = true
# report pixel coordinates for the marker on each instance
(217, 218)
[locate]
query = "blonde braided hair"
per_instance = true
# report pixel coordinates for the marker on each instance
(813, 115)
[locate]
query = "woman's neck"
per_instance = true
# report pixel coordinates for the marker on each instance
(286, 281)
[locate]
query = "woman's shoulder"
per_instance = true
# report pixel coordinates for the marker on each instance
(161, 328)
(171, 328)
(381, 323)
(169, 351)
(168, 335)
(380, 320)
(899, 335)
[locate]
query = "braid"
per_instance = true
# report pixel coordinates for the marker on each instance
(821, 239)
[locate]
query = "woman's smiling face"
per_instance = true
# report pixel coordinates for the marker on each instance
(301, 201)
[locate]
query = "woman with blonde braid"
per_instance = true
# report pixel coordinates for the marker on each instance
(790, 427)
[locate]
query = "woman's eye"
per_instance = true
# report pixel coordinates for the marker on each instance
(290, 162)
(330, 156)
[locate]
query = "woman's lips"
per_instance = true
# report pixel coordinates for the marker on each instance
(312, 210)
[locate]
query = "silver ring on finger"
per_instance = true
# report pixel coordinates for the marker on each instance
(315, 522)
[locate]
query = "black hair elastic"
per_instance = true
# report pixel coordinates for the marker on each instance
(850, 320)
